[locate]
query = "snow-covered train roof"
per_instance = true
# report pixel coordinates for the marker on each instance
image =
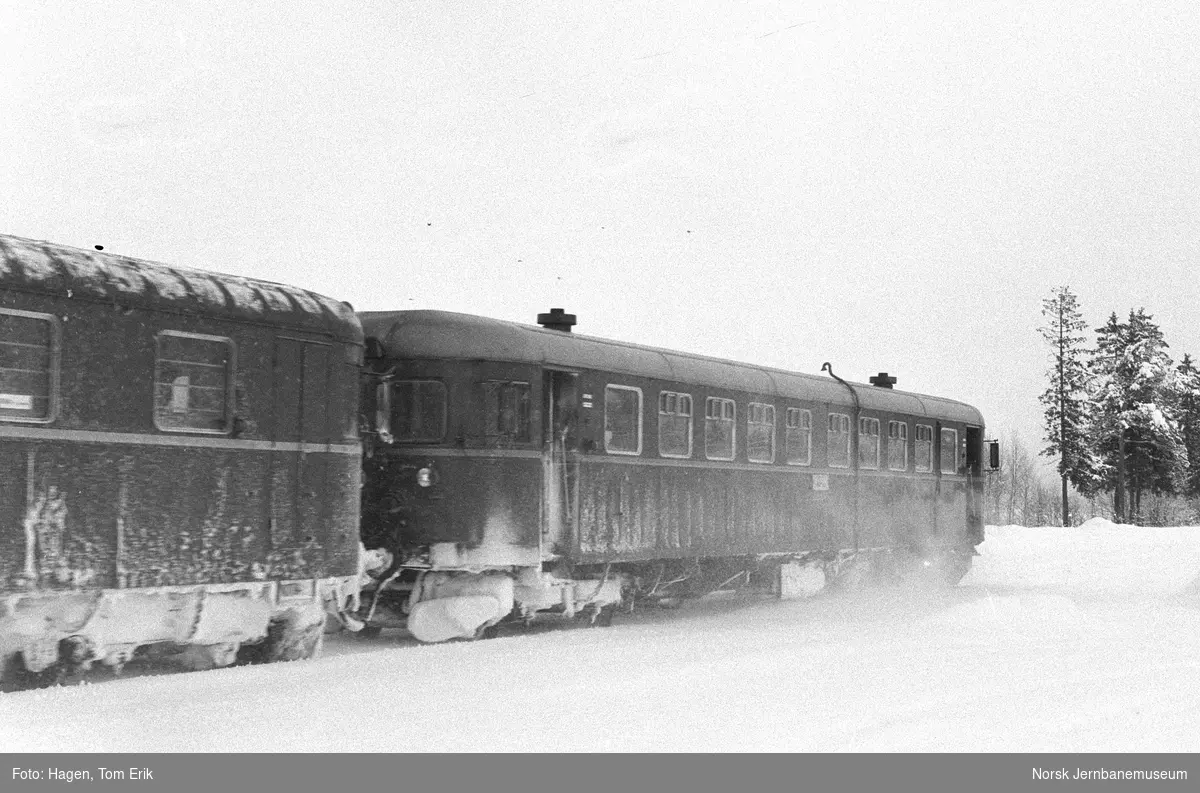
(444, 334)
(62, 270)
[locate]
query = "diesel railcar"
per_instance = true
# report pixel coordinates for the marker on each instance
(181, 467)
(513, 469)
(179, 462)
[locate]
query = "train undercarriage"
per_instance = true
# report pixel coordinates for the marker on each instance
(438, 605)
(48, 637)
(53, 636)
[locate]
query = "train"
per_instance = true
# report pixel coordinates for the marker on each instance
(223, 469)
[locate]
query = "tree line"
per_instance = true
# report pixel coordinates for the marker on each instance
(1122, 419)
(1024, 492)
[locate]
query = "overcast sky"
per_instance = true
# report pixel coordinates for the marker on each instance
(882, 185)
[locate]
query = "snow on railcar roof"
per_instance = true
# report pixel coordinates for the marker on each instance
(445, 334)
(63, 269)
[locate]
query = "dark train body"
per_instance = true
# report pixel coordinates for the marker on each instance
(182, 465)
(180, 460)
(586, 470)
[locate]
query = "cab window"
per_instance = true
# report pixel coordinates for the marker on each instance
(506, 410)
(418, 411)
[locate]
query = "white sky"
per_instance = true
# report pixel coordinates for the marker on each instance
(883, 185)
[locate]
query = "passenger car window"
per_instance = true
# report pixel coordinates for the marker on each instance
(898, 445)
(192, 378)
(28, 352)
(622, 419)
(949, 451)
(868, 443)
(760, 433)
(839, 440)
(923, 449)
(798, 438)
(674, 424)
(720, 416)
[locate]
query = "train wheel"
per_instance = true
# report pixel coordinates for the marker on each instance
(597, 615)
(603, 617)
(15, 677)
(296, 635)
(486, 632)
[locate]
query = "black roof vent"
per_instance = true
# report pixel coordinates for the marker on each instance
(556, 320)
(882, 380)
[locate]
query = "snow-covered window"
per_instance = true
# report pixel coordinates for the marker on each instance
(418, 411)
(28, 365)
(674, 424)
(193, 375)
(898, 445)
(868, 443)
(506, 411)
(923, 449)
(760, 432)
(622, 419)
(949, 451)
(719, 432)
(839, 440)
(798, 438)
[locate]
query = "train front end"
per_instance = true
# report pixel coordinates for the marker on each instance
(464, 486)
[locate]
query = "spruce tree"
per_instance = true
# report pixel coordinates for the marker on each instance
(1187, 384)
(1134, 395)
(1110, 410)
(1158, 459)
(1065, 400)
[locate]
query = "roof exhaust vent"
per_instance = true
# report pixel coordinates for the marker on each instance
(882, 380)
(557, 320)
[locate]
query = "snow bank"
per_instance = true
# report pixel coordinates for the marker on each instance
(1095, 559)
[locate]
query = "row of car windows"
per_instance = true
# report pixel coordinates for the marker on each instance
(192, 374)
(418, 415)
(623, 433)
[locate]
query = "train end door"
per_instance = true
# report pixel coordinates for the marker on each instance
(560, 464)
(973, 462)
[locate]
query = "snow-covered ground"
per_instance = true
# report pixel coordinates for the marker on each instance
(1059, 640)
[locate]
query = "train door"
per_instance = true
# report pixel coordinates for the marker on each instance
(300, 416)
(314, 427)
(973, 459)
(560, 463)
(973, 455)
(935, 454)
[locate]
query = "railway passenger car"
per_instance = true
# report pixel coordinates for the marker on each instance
(517, 469)
(179, 461)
